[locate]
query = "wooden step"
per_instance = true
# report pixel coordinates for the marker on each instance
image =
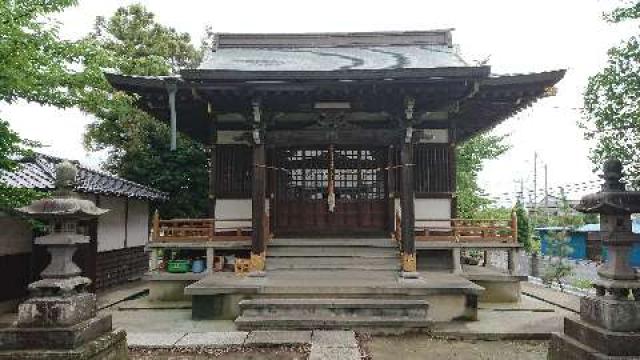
(325, 251)
(333, 242)
(332, 263)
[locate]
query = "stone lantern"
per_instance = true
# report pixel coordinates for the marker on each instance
(60, 315)
(609, 325)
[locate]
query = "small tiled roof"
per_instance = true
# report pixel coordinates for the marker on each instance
(38, 172)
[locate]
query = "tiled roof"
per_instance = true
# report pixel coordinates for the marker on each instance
(38, 172)
(333, 51)
(333, 58)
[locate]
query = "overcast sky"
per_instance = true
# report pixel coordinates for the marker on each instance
(518, 36)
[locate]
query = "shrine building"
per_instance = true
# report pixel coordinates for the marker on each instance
(333, 173)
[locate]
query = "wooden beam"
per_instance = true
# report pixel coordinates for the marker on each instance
(336, 137)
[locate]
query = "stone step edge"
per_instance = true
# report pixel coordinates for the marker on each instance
(310, 322)
(336, 303)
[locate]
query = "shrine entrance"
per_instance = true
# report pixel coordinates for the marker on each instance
(330, 190)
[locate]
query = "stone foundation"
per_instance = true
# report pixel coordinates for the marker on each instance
(110, 346)
(611, 314)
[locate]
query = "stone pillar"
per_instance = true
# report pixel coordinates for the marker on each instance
(407, 211)
(512, 261)
(210, 259)
(457, 265)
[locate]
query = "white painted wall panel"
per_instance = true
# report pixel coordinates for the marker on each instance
(15, 236)
(433, 209)
(430, 209)
(111, 226)
(234, 209)
(138, 223)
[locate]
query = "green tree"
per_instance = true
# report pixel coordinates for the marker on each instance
(36, 66)
(469, 162)
(612, 101)
(131, 42)
(559, 247)
(524, 227)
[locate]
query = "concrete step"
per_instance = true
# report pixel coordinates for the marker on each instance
(346, 242)
(333, 251)
(348, 308)
(311, 323)
(328, 263)
(332, 313)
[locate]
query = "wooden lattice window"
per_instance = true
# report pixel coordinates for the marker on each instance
(433, 171)
(233, 171)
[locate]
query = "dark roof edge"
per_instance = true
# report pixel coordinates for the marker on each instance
(511, 79)
(352, 74)
(333, 39)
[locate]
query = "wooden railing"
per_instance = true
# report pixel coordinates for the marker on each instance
(463, 230)
(202, 229)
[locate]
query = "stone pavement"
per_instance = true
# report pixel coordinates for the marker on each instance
(561, 299)
(325, 345)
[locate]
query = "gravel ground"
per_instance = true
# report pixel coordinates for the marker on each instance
(426, 348)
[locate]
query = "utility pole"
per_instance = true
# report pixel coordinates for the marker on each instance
(546, 195)
(535, 185)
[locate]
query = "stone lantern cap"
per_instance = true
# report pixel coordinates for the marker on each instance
(613, 198)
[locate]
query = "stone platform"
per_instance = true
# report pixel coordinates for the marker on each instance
(449, 296)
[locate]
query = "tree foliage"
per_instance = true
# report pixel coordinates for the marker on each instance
(131, 42)
(469, 162)
(524, 227)
(612, 101)
(36, 66)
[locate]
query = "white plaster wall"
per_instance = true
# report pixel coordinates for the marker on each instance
(15, 236)
(433, 209)
(111, 226)
(234, 209)
(138, 223)
(430, 209)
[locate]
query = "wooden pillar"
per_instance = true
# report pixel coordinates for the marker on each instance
(407, 206)
(213, 138)
(258, 199)
(391, 188)
(407, 209)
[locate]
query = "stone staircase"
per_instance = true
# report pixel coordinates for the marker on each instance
(333, 286)
(333, 254)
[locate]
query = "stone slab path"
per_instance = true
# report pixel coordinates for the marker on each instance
(330, 345)
(325, 345)
(552, 296)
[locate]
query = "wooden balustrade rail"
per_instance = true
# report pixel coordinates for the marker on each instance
(202, 229)
(463, 230)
